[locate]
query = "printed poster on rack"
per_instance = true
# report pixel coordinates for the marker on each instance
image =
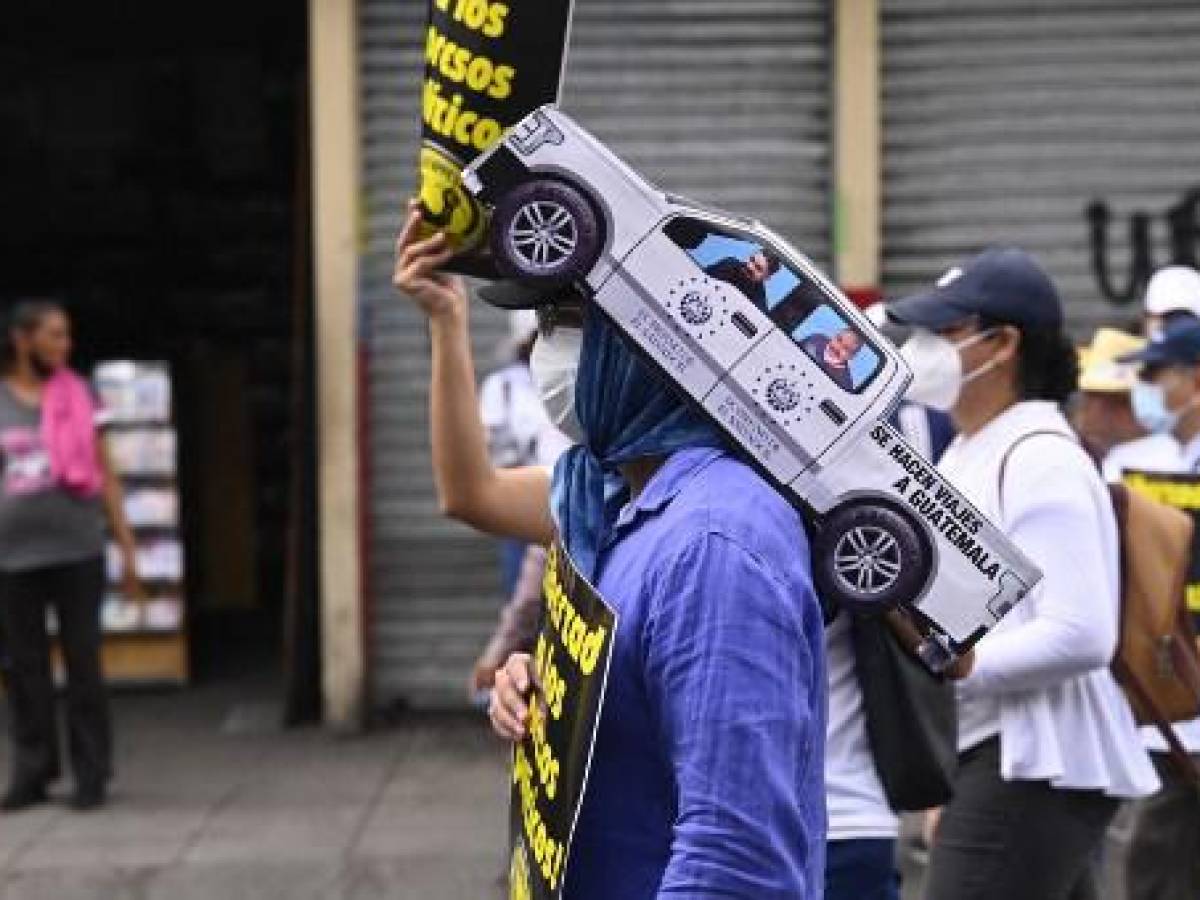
(550, 767)
(1181, 491)
(487, 64)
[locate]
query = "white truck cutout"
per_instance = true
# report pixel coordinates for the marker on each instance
(789, 369)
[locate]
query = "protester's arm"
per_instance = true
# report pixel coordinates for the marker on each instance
(519, 620)
(1073, 629)
(736, 688)
(118, 522)
(509, 502)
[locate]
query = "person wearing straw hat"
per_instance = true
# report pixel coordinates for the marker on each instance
(1103, 413)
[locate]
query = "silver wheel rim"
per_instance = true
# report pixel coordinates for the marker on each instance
(867, 559)
(543, 235)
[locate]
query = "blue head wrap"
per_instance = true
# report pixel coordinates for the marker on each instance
(627, 412)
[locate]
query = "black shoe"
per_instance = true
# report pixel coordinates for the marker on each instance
(23, 796)
(88, 796)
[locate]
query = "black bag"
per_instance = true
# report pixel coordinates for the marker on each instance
(911, 720)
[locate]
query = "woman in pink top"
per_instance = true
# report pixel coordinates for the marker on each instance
(56, 490)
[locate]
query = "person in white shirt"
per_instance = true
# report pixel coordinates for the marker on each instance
(862, 828)
(1048, 745)
(1164, 857)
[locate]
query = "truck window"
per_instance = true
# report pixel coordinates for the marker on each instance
(798, 306)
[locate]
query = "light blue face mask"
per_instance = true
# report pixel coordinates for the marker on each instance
(1150, 408)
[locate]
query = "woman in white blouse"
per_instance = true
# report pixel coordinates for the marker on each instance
(1047, 743)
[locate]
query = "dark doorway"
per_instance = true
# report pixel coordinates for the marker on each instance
(154, 172)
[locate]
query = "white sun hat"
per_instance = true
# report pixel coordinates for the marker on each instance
(1173, 289)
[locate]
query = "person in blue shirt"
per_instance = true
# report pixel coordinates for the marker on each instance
(707, 777)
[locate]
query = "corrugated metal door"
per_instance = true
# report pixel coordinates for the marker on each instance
(1004, 119)
(724, 102)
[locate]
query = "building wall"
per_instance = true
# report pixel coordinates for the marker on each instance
(1004, 119)
(335, 147)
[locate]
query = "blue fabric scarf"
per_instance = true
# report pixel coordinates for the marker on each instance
(627, 411)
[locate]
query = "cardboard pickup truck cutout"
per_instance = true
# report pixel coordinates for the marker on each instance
(775, 355)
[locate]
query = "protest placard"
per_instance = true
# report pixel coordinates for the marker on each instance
(1181, 491)
(487, 64)
(550, 766)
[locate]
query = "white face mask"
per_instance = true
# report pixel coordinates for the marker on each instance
(554, 364)
(937, 370)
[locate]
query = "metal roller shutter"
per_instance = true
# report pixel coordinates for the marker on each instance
(1003, 119)
(724, 102)
(433, 584)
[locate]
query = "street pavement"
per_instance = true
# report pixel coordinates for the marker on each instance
(213, 801)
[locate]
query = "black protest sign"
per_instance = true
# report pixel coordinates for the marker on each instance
(487, 64)
(1182, 492)
(550, 766)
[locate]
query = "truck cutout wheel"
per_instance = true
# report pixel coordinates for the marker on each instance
(869, 558)
(546, 233)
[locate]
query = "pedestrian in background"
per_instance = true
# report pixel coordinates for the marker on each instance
(1172, 291)
(1160, 396)
(519, 434)
(1048, 745)
(864, 829)
(517, 627)
(57, 486)
(1102, 412)
(518, 431)
(1164, 854)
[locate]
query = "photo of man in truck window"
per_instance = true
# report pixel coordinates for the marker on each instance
(749, 274)
(837, 347)
(795, 303)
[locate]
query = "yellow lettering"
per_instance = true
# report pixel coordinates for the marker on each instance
(583, 644)
(494, 27)
(462, 130)
(479, 73)
(592, 644)
(501, 82)
(486, 134)
(1193, 598)
(434, 42)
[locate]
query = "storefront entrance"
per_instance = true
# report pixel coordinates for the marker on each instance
(155, 176)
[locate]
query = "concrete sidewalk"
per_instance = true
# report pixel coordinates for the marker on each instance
(211, 804)
(214, 802)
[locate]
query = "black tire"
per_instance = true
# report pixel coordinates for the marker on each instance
(545, 233)
(869, 558)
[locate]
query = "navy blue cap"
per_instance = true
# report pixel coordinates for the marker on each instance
(1177, 345)
(1002, 284)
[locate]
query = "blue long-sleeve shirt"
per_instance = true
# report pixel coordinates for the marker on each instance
(707, 778)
